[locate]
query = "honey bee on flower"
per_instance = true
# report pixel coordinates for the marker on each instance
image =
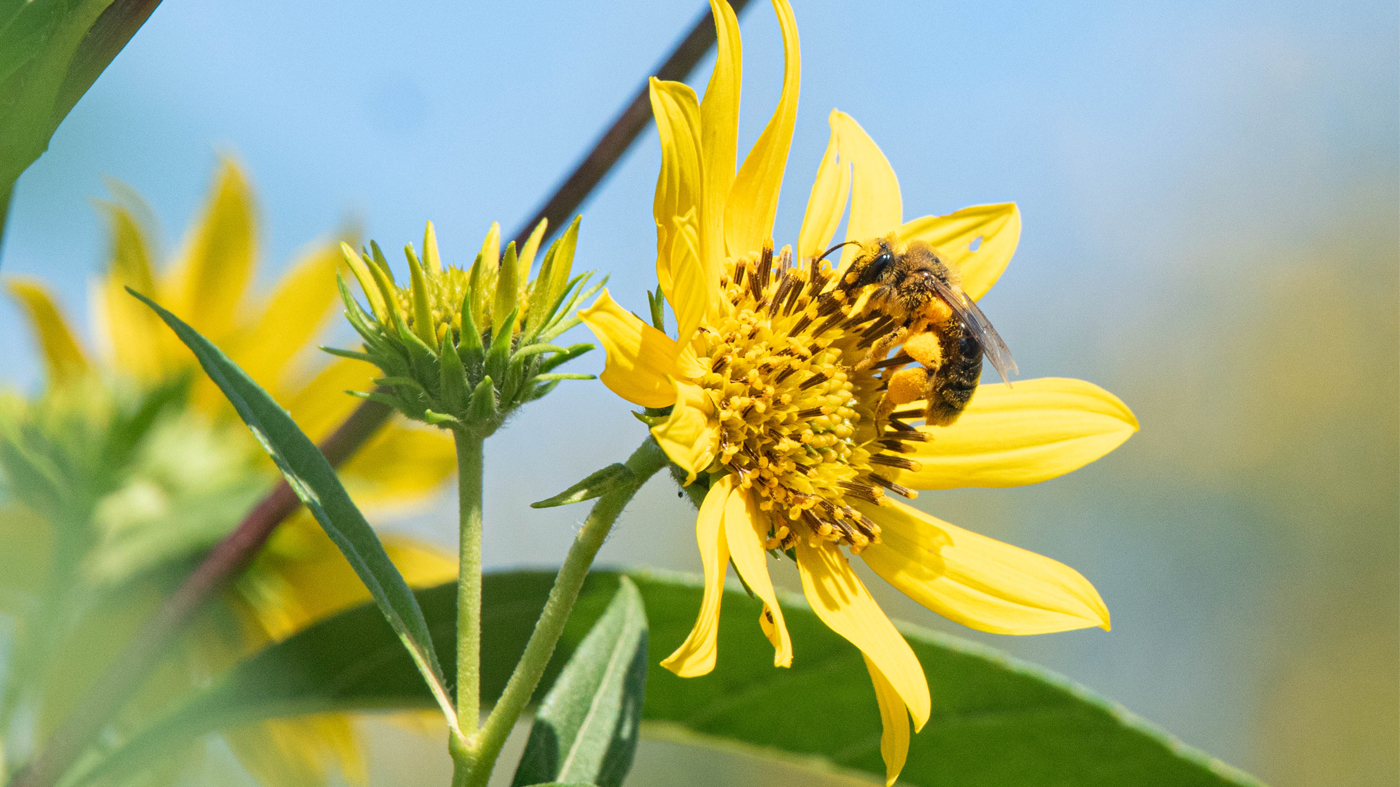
(781, 408)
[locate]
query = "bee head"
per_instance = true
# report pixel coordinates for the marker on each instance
(876, 262)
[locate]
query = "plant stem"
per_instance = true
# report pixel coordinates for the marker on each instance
(643, 463)
(469, 467)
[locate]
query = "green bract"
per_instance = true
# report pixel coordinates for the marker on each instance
(462, 349)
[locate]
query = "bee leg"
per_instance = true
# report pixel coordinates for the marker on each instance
(926, 348)
(905, 386)
(881, 347)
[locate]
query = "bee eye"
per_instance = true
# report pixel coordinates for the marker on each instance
(882, 261)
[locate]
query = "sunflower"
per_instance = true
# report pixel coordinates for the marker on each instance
(130, 465)
(772, 416)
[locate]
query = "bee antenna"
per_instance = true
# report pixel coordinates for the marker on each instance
(828, 252)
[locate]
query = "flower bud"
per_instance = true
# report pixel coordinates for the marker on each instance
(462, 349)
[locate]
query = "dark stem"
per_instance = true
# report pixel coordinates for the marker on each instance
(143, 654)
(570, 194)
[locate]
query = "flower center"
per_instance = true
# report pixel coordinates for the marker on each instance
(799, 424)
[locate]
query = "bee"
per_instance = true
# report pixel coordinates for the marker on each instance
(923, 307)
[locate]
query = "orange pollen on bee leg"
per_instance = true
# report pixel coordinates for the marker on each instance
(907, 385)
(924, 348)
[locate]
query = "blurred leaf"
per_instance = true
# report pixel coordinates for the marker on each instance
(596, 485)
(995, 720)
(51, 51)
(313, 479)
(586, 728)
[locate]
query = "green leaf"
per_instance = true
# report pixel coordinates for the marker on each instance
(51, 51)
(996, 720)
(586, 728)
(596, 485)
(313, 479)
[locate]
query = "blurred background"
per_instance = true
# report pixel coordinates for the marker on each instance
(1211, 197)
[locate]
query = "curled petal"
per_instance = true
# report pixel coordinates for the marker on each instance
(640, 359)
(827, 203)
(689, 436)
(995, 228)
(753, 199)
(846, 607)
(1022, 434)
(696, 656)
(978, 581)
(894, 737)
(746, 530)
(876, 207)
(64, 359)
(679, 206)
(719, 124)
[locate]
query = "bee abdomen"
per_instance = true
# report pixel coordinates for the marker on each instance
(951, 388)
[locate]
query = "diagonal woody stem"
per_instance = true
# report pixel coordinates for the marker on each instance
(591, 170)
(141, 656)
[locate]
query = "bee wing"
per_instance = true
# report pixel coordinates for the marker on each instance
(992, 345)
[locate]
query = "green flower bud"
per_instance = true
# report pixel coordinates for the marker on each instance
(462, 349)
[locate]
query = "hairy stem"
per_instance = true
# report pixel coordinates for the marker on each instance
(469, 467)
(643, 463)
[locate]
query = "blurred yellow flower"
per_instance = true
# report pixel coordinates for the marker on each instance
(153, 467)
(768, 409)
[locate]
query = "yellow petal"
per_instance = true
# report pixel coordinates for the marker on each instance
(827, 203)
(978, 581)
(689, 437)
(997, 226)
(300, 751)
(321, 404)
(64, 359)
(745, 531)
(135, 339)
(681, 252)
(696, 656)
(753, 199)
(206, 288)
(295, 313)
(1022, 434)
(846, 607)
(640, 358)
(719, 129)
(400, 465)
(894, 739)
(302, 578)
(876, 207)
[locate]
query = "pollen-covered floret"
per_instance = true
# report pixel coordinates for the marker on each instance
(798, 423)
